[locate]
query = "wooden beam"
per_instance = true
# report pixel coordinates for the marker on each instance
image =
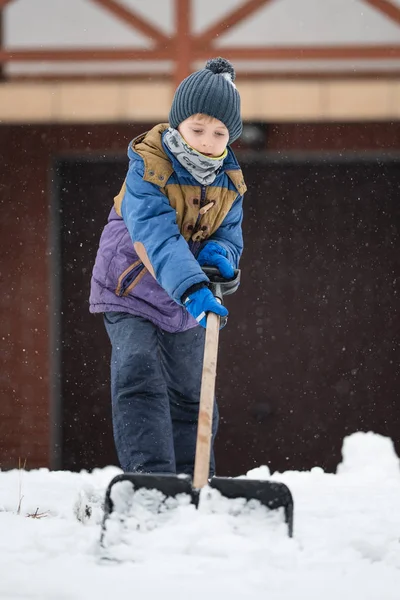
(1, 41)
(84, 54)
(301, 53)
(230, 20)
(387, 8)
(305, 52)
(128, 16)
(183, 40)
(261, 75)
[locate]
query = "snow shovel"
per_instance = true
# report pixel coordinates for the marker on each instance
(274, 495)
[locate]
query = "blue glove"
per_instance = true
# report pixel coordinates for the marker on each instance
(215, 255)
(200, 302)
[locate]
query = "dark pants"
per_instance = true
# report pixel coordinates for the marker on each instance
(155, 389)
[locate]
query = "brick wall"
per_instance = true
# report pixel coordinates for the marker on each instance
(26, 155)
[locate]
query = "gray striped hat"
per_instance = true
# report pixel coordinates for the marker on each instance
(210, 91)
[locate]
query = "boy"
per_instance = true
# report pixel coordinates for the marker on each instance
(179, 208)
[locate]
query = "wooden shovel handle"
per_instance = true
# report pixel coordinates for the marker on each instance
(206, 409)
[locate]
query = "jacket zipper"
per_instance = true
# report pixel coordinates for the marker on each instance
(131, 274)
(194, 246)
(202, 203)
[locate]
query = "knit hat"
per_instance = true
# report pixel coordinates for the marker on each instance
(210, 91)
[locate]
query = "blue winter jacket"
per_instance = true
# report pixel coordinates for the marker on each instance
(160, 206)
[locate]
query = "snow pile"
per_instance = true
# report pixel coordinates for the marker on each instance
(346, 544)
(369, 455)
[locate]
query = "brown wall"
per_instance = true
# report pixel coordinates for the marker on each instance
(26, 158)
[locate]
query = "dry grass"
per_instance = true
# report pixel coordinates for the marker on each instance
(21, 467)
(38, 515)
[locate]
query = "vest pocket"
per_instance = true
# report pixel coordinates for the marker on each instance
(130, 278)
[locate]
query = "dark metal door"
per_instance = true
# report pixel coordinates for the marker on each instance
(86, 191)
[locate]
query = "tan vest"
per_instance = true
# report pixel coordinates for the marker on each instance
(185, 199)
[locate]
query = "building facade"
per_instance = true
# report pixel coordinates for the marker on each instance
(311, 351)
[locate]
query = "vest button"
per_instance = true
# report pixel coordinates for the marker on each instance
(161, 177)
(151, 172)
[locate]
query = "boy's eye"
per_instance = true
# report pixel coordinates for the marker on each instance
(197, 130)
(219, 133)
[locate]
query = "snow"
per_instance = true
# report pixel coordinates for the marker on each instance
(346, 543)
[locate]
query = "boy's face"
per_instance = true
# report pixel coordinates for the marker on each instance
(205, 134)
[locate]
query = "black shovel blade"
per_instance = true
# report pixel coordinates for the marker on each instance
(169, 485)
(271, 494)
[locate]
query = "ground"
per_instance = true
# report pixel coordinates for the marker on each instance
(346, 543)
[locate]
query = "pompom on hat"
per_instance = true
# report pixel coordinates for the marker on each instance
(210, 91)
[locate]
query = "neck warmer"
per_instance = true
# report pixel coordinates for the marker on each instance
(202, 168)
